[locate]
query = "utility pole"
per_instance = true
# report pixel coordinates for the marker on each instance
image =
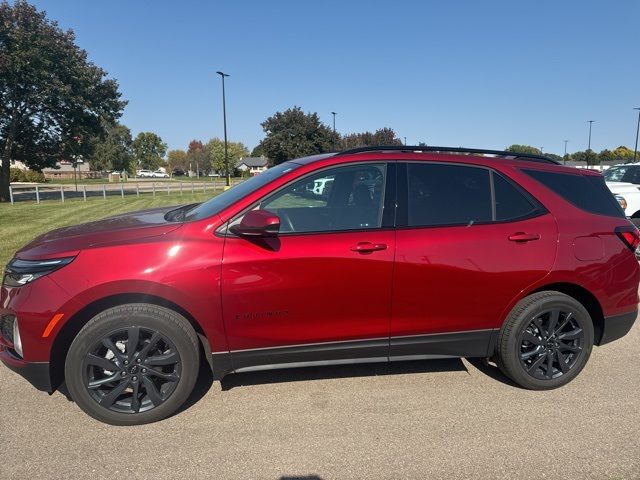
(564, 159)
(334, 121)
(590, 123)
(224, 116)
(635, 151)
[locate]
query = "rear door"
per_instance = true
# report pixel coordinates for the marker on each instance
(468, 241)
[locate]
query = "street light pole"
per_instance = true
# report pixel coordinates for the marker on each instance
(405, 141)
(224, 115)
(590, 123)
(334, 121)
(635, 151)
(564, 159)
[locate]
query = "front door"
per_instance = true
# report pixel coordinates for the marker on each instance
(321, 289)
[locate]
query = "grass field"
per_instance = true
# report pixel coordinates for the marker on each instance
(23, 221)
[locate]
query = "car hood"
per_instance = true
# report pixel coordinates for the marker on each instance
(622, 187)
(68, 241)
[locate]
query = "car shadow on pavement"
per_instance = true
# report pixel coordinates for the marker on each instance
(491, 371)
(341, 371)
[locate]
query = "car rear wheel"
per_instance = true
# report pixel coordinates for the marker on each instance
(133, 364)
(546, 341)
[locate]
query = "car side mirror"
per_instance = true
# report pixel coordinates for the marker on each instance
(257, 223)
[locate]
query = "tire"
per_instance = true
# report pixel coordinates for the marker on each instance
(527, 344)
(133, 386)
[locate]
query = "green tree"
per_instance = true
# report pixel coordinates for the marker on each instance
(523, 149)
(111, 151)
(149, 150)
(293, 133)
(197, 157)
(258, 151)
(215, 152)
(382, 136)
(50, 93)
(177, 161)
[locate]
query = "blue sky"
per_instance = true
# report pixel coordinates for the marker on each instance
(468, 73)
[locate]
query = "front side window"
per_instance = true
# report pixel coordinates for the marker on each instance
(336, 199)
(448, 195)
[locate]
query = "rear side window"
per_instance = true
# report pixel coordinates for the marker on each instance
(448, 195)
(511, 202)
(587, 192)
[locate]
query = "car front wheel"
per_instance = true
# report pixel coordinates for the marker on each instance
(133, 364)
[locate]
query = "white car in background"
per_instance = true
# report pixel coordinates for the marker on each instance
(159, 174)
(144, 173)
(624, 183)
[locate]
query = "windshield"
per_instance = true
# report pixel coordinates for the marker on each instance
(222, 201)
(615, 174)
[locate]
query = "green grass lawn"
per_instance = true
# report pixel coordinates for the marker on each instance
(23, 221)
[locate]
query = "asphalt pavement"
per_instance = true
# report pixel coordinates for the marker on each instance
(445, 419)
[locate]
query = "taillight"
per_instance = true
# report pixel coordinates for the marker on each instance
(629, 235)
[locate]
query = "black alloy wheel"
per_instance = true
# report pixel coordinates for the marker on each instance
(133, 364)
(132, 370)
(550, 346)
(545, 341)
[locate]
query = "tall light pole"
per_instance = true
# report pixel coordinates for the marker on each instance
(224, 115)
(334, 121)
(564, 159)
(590, 123)
(405, 141)
(635, 151)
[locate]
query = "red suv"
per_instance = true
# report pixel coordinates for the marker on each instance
(374, 254)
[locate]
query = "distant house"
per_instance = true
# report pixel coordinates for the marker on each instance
(64, 171)
(254, 165)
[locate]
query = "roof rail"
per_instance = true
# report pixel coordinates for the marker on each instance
(424, 148)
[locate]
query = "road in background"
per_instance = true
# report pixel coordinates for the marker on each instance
(445, 419)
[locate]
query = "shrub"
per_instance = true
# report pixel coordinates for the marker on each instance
(19, 175)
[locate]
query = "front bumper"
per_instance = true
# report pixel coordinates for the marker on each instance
(616, 326)
(36, 373)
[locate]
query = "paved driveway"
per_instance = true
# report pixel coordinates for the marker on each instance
(438, 419)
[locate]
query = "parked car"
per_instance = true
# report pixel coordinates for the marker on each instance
(144, 173)
(159, 174)
(416, 253)
(624, 183)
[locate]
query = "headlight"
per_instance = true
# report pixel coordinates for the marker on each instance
(621, 201)
(20, 272)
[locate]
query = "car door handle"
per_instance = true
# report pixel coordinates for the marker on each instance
(524, 237)
(367, 247)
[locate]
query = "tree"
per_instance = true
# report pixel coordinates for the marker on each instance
(623, 153)
(382, 136)
(50, 93)
(111, 151)
(177, 161)
(197, 157)
(523, 149)
(149, 150)
(293, 133)
(215, 152)
(258, 151)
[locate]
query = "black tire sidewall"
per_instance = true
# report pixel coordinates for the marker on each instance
(510, 352)
(163, 320)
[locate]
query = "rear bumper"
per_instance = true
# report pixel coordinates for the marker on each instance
(616, 327)
(36, 373)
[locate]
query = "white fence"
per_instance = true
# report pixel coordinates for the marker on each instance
(47, 191)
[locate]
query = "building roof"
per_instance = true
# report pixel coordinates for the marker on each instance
(253, 162)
